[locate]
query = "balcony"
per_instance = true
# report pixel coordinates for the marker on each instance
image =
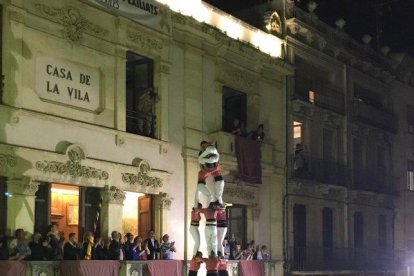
(368, 114)
(127, 268)
(319, 170)
(320, 94)
(140, 123)
(374, 181)
(332, 259)
(226, 147)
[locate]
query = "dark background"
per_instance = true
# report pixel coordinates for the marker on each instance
(394, 19)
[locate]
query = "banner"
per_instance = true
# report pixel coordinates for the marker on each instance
(147, 12)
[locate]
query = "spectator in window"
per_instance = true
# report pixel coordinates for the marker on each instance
(56, 242)
(237, 252)
(299, 161)
(227, 249)
(129, 246)
(138, 251)
(38, 252)
(71, 250)
(88, 248)
(236, 128)
(153, 246)
(18, 246)
(258, 134)
(262, 254)
(167, 248)
(146, 103)
(115, 247)
(102, 249)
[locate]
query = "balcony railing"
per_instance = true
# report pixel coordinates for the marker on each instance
(374, 181)
(331, 259)
(317, 169)
(368, 114)
(324, 95)
(140, 123)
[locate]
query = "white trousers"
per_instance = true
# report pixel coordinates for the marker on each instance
(202, 189)
(221, 234)
(195, 234)
(211, 238)
(218, 193)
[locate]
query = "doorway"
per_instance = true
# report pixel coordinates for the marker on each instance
(137, 215)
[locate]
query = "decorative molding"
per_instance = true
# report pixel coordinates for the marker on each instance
(239, 192)
(273, 23)
(73, 166)
(142, 177)
(17, 16)
(165, 201)
(144, 40)
(236, 77)
(256, 210)
(41, 268)
(113, 195)
(74, 23)
(7, 160)
(23, 186)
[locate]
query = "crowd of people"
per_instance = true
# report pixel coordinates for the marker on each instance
(234, 251)
(53, 246)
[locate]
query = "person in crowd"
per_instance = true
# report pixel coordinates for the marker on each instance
(221, 228)
(194, 228)
(167, 248)
(212, 264)
(153, 246)
(47, 248)
(258, 134)
(227, 249)
(237, 252)
(232, 243)
(115, 247)
(102, 249)
(71, 250)
(138, 251)
(56, 242)
(129, 246)
(236, 128)
(222, 267)
(262, 254)
(19, 250)
(38, 252)
(195, 263)
(88, 248)
(243, 129)
(4, 250)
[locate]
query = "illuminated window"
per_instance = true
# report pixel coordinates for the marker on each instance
(410, 175)
(312, 96)
(297, 133)
(130, 213)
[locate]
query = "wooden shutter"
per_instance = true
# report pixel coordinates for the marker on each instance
(145, 214)
(90, 199)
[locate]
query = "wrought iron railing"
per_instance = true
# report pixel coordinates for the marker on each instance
(324, 95)
(377, 117)
(317, 169)
(141, 123)
(374, 181)
(330, 259)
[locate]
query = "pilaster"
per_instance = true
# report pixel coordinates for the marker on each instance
(21, 203)
(111, 211)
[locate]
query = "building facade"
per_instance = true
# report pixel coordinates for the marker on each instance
(105, 106)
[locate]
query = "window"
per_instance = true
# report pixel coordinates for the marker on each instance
(140, 95)
(90, 201)
(410, 175)
(42, 209)
(234, 107)
(237, 220)
(3, 206)
(358, 230)
(358, 163)
(297, 133)
(382, 231)
(365, 96)
(410, 119)
(312, 96)
(327, 233)
(299, 236)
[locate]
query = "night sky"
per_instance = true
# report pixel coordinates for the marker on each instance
(396, 22)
